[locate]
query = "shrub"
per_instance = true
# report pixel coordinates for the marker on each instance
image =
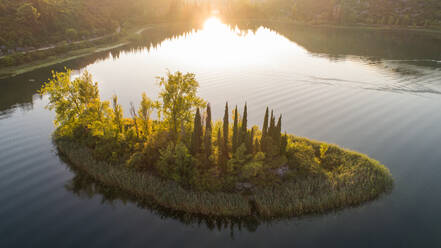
(301, 155)
(176, 163)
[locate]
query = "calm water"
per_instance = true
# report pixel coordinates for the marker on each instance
(376, 92)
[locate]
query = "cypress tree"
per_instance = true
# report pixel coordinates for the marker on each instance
(244, 127)
(278, 130)
(257, 146)
(272, 125)
(196, 139)
(220, 145)
(265, 123)
(225, 136)
(262, 142)
(235, 131)
(250, 142)
(284, 144)
(208, 133)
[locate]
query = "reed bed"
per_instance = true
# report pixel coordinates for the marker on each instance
(165, 193)
(358, 180)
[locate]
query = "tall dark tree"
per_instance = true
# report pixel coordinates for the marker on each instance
(244, 128)
(250, 141)
(196, 139)
(263, 139)
(220, 147)
(235, 131)
(272, 125)
(284, 144)
(226, 127)
(257, 146)
(265, 123)
(208, 133)
(278, 131)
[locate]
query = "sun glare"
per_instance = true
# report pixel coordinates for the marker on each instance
(213, 24)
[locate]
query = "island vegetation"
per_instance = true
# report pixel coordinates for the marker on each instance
(170, 150)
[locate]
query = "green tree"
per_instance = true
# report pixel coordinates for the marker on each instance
(235, 140)
(27, 14)
(264, 130)
(272, 126)
(178, 99)
(250, 141)
(144, 113)
(284, 144)
(220, 145)
(72, 100)
(118, 114)
(196, 139)
(208, 134)
(265, 123)
(134, 118)
(278, 131)
(244, 128)
(226, 129)
(176, 163)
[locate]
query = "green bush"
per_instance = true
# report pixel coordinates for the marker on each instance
(176, 163)
(301, 155)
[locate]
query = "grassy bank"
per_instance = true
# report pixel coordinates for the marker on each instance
(53, 60)
(357, 180)
(63, 53)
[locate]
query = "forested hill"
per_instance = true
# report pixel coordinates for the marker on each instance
(38, 23)
(383, 12)
(420, 13)
(26, 23)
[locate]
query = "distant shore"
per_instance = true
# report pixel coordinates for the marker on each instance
(11, 71)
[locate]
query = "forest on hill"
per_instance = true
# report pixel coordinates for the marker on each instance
(383, 12)
(35, 23)
(29, 24)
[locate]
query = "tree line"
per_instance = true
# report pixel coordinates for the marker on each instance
(182, 143)
(35, 23)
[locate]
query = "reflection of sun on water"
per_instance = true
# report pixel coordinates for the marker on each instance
(218, 45)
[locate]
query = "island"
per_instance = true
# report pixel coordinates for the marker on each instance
(170, 151)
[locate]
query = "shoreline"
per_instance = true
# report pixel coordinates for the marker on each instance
(268, 202)
(434, 30)
(12, 71)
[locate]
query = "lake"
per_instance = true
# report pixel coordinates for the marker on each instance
(374, 91)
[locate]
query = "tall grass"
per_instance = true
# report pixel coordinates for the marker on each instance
(166, 193)
(357, 180)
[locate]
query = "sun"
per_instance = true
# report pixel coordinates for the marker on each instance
(213, 24)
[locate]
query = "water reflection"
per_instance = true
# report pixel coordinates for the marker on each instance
(409, 61)
(86, 187)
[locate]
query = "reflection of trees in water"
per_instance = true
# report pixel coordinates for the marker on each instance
(84, 186)
(17, 93)
(373, 46)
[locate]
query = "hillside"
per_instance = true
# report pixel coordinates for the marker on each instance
(26, 24)
(381, 12)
